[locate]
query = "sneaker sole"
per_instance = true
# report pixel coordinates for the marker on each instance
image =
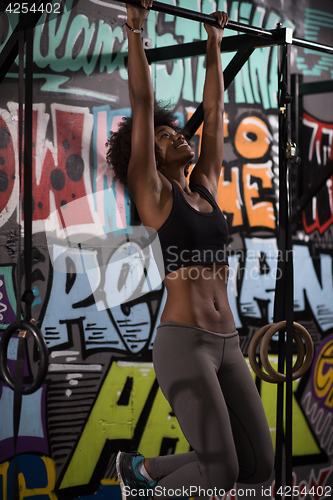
(121, 482)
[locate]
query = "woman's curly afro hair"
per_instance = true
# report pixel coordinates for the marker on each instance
(119, 145)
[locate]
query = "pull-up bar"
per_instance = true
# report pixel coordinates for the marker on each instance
(232, 25)
(200, 17)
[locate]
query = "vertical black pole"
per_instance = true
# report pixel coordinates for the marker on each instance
(28, 199)
(296, 174)
(295, 80)
(279, 310)
(20, 159)
(283, 306)
(289, 288)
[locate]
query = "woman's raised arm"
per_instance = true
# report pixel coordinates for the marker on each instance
(142, 173)
(208, 168)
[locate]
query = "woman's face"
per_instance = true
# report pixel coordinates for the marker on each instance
(172, 148)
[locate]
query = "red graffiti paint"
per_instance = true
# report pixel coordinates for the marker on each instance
(315, 488)
(316, 149)
(7, 165)
(322, 373)
(320, 152)
(58, 178)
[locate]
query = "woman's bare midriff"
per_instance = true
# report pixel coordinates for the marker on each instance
(197, 296)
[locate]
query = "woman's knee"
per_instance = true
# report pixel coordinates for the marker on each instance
(263, 469)
(266, 465)
(221, 475)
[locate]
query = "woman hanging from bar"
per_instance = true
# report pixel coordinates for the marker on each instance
(199, 365)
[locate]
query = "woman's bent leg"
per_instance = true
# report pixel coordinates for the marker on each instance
(186, 362)
(248, 420)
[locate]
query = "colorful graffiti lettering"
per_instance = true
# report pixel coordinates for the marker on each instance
(36, 477)
(315, 488)
(62, 167)
(115, 420)
(319, 214)
(322, 377)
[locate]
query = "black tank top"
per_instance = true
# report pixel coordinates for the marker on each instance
(189, 237)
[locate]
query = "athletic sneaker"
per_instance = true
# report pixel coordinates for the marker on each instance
(130, 479)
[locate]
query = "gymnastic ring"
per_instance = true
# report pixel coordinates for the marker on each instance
(277, 376)
(301, 351)
(43, 352)
(252, 354)
(300, 368)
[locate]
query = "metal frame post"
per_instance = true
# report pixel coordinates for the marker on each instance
(283, 305)
(11, 49)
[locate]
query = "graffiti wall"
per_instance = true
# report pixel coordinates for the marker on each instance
(97, 314)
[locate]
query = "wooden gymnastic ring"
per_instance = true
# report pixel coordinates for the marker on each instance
(300, 368)
(301, 351)
(252, 354)
(300, 354)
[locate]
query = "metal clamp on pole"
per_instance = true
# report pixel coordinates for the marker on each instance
(23, 329)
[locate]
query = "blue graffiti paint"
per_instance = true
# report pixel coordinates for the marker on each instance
(32, 431)
(108, 198)
(37, 300)
(257, 285)
(104, 491)
(63, 307)
(34, 471)
(249, 284)
(315, 22)
(317, 289)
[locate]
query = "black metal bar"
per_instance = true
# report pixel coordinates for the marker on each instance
(193, 49)
(283, 304)
(11, 49)
(279, 302)
(322, 176)
(235, 65)
(315, 87)
(279, 439)
(20, 149)
(296, 173)
(295, 106)
(289, 293)
(241, 28)
(200, 17)
(28, 201)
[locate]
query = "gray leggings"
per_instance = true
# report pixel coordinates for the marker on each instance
(209, 387)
